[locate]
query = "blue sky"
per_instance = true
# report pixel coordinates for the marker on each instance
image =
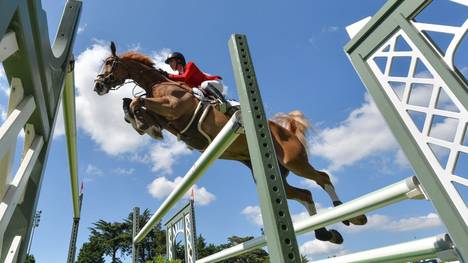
(297, 50)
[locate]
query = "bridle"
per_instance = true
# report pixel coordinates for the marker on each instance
(109, 80)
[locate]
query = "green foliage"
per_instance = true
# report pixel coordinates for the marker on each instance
(107, 239)
(160, 259)
(254, 256)
(92, 251)
(30, 259)
(112, 238)
(153, 244)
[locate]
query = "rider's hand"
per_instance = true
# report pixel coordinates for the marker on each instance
(164, 73)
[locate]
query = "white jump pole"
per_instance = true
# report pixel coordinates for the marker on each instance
(427, 248)
(405, 189)
(217, 147)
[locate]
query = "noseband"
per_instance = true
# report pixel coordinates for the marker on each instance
(109, 79)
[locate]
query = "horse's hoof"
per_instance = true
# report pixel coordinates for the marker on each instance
(337, 203)
(336, 237)
(323, 234)
(358, 220)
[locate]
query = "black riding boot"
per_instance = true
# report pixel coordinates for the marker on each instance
(223, 103)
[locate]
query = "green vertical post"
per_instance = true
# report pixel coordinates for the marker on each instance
(279, 231)
(135, 230)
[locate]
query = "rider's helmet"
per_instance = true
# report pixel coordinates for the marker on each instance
(176, 55)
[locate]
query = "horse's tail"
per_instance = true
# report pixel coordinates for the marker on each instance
(296, 122)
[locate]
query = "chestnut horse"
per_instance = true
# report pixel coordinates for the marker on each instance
(170, 105)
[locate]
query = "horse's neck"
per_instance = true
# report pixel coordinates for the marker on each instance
(145, 76)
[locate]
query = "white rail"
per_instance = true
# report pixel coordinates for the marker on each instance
(427, 248)
(406, 189)
(220, 143)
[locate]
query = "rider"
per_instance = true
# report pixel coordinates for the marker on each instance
(195, 78)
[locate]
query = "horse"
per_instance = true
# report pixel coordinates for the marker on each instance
(172, 106)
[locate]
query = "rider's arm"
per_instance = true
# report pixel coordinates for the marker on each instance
(190, 70)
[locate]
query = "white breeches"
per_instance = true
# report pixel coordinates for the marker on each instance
(217, 84)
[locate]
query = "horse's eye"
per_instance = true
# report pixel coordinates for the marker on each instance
(108, 62)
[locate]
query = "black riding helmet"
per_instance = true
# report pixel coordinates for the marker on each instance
(176, 55)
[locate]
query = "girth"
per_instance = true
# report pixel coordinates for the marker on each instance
(192, 134)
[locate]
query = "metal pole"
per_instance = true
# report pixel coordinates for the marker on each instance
(36, 220)
(135, 229)
(220, 143)
(69, 118)
(74, 234)
(413, 251)
(408, 188)
(282, 243)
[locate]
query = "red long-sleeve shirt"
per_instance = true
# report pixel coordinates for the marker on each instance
(193, 76)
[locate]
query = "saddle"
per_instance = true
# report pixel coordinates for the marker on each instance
(204, 97)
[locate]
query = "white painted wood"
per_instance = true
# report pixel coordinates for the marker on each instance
(458, 34)
(12, 256)
(29, 137)
(16, 96)
(354, 28)
(426, 248)
(8, 45)
(17, 187)
(445, 174)
(14, 123)
(461, 2)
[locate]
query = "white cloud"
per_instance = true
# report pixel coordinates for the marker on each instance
(4, 86)
(253, 215)
(123, 171)
(3, 113)
(464, 71)
(385, 223)
(82, 28)
(401, 159)
(315, 248)
(101, 117)
(161, 187)
(159, 57)
(444, 130)
(93, 170)
(330, 29)
(313, 184)
(164, 154)
(363, 133)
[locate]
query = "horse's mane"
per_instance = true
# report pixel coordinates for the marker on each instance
(133, 55)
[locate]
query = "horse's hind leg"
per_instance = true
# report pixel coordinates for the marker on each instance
(305, 169)
(305, 198)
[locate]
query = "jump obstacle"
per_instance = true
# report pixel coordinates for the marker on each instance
(40, 76)
(36, 74)
(425, 163)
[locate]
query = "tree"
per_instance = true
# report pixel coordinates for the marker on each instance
(153, 244)
(254, 256)
(30, 259)
(113, 238)
(91, 252)
(204, 250)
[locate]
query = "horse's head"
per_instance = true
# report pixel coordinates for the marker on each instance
(113, 74)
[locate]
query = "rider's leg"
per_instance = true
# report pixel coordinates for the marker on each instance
(215, 88)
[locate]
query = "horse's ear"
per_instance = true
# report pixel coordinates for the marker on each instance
(113, 49)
